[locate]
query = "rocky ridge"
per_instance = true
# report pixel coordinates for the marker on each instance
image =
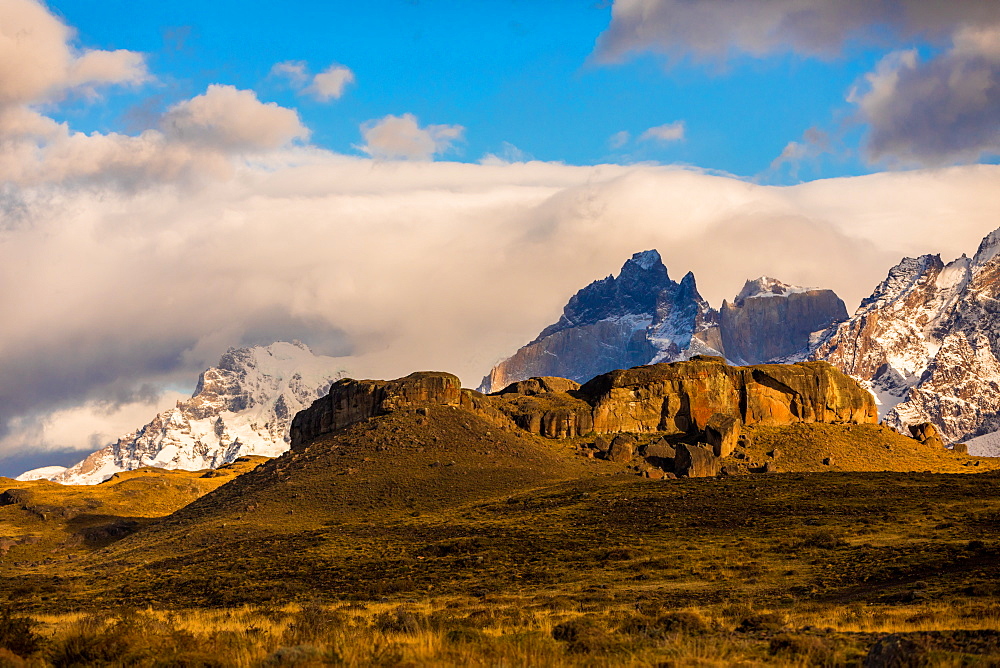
(242, 406)
(699, 401)
(927, 343)
(642, 317)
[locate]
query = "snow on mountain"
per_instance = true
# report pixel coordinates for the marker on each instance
(927, 343)
(43, 473)
(242, 406)
(642, 317)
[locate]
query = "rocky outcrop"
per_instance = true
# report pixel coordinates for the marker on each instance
(703, 399)
(351, 401)
(644, 317)
(682, 397)
(927, 343)
(927, 434)
(770, 320)
(541, 385)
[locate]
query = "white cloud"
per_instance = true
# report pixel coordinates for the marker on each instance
(38, 63)
(813, 143)
(330, 83)
(619, 139)
(939, 111)
(233, 120)
(295, 71)
(401, 137)
(327, 85)
(664, 133)
(721, 28)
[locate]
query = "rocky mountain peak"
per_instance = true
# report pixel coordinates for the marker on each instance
(642, 316)
(242, 406)
(989, 247)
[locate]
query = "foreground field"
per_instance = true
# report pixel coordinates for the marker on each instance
(431, 537)
(789, 569)
(511, 631)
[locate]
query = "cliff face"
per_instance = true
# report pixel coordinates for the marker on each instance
(684, 396)
(770, 320)
(643, 317)
(703, 397)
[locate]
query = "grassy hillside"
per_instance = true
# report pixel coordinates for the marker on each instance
(432, 536)
(42, 520)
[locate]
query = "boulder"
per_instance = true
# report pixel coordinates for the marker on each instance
(660, 449)
(927, 433)
(695, 461)
(960, 448)
(660, 453)
(723, 433)
(622, 448)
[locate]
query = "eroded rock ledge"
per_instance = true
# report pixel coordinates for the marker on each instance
(703, 398)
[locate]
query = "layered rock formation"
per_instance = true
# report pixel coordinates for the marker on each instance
(927, 343)
(644, 317)
(242, 406)
(703, 398)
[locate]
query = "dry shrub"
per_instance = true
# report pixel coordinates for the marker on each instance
(17, 634)
(583, 635)
(681, 622)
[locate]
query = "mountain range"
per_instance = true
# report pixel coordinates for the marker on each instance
(926, 342)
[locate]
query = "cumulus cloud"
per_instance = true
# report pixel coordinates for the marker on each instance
(327, 85)
(940, 111)
(233, 120)
(664, 133)
(402, 138)
(29, 33)
(721, 28)
(330, 83)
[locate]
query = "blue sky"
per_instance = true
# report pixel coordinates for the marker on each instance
(517, 76)
(423, 185)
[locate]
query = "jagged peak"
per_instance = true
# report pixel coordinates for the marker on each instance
(989, 247)
(647, 259)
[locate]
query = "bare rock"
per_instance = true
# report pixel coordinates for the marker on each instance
(682, 397)
(622, 448)
(695, 461)
(723, 433)
(541, 385)
(927, 434)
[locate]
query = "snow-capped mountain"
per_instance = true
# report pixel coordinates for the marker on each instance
(927, 342)
(242, 406)
(642, 317)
